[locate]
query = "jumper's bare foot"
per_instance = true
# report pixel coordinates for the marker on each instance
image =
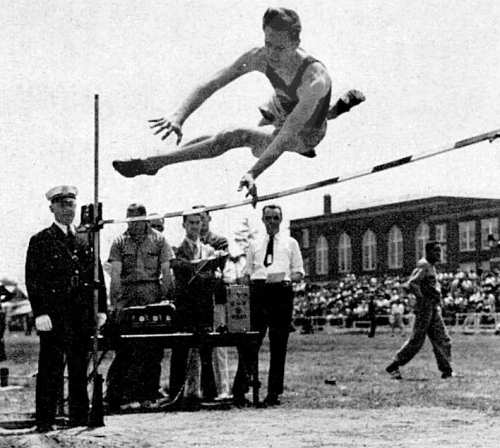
(134, 167)
(345, 103)
(353, 97)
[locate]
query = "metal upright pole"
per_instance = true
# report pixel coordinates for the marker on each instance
(96, 417)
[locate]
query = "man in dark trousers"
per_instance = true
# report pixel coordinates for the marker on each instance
(194, 289)
(424, 285)
(60, 284)
(140, 276)
(273, 263)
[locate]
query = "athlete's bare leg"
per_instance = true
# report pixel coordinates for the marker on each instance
(205, 147)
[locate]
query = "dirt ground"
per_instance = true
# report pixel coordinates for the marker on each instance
(364, 409)
(406, 427)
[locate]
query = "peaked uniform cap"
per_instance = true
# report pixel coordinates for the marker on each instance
(61, 192)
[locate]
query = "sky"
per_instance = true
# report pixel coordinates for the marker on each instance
(430, 71)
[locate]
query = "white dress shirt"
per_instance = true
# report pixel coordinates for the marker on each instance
(64, 228)
(287, 258)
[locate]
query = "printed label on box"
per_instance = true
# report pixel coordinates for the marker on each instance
(238, 308)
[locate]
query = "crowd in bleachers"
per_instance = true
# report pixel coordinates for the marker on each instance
(349, 297)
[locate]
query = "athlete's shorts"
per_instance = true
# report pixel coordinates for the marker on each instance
(273, 114)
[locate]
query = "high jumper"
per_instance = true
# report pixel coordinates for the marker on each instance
(293, 120)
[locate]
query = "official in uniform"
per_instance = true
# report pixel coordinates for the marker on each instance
(273, 263)
(140, 275)
(60, 284)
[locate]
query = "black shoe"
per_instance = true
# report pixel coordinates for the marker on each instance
(111, 407)
(447, 374)
(241, 401)
(272, 400)
(191, 404)
(393, 370)
(45, 427)
(133, 167)
(331, 381)
(78, 422)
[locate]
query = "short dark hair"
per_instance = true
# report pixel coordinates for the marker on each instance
(272, 207)
(185, 217)
(283, 19)
(431, 245)
(136, 210)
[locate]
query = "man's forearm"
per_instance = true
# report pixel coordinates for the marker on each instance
(193, 101)
(415, 289)
(268, 157)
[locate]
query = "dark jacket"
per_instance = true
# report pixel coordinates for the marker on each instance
(59, 280)
(194, 288)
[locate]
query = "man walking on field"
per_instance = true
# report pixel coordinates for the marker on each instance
(428, 319)
(297, 113)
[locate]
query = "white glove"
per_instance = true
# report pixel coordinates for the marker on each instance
(101, 319)
(43, 323)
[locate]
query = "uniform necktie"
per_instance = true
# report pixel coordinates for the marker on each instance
(268, 258)
(70, 238)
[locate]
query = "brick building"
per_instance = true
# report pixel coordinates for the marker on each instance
(390, 238)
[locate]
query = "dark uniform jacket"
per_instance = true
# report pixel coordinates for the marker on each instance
(59, 280)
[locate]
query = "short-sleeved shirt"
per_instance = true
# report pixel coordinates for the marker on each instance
(141, 260)
(287, 258)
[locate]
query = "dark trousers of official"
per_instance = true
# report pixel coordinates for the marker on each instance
(271, 306)
(428, 322)
(54, 347)
(3, 355)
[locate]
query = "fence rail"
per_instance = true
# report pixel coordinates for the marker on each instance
(459, 322)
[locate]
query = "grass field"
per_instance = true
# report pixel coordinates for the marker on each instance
(356, 361)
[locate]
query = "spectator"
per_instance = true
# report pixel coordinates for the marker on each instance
(140, 275)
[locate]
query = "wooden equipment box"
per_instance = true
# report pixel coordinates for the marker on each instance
(238, 308)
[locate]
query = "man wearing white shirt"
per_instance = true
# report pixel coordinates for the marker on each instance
(273, 263)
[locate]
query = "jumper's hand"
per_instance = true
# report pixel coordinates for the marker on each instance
(43, 323)
(248, 182)
(166, 126)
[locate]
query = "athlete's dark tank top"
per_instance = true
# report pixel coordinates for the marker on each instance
(287, 94)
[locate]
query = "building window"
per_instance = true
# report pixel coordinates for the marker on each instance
(467, 236)
(345, 253)
(306, 266)
(441, 238)
(369, 251)
(421, 238)
(395, 252)
(322, 256)
(488, 227)
(305, 238)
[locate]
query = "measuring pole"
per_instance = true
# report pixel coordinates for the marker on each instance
(96, 417)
